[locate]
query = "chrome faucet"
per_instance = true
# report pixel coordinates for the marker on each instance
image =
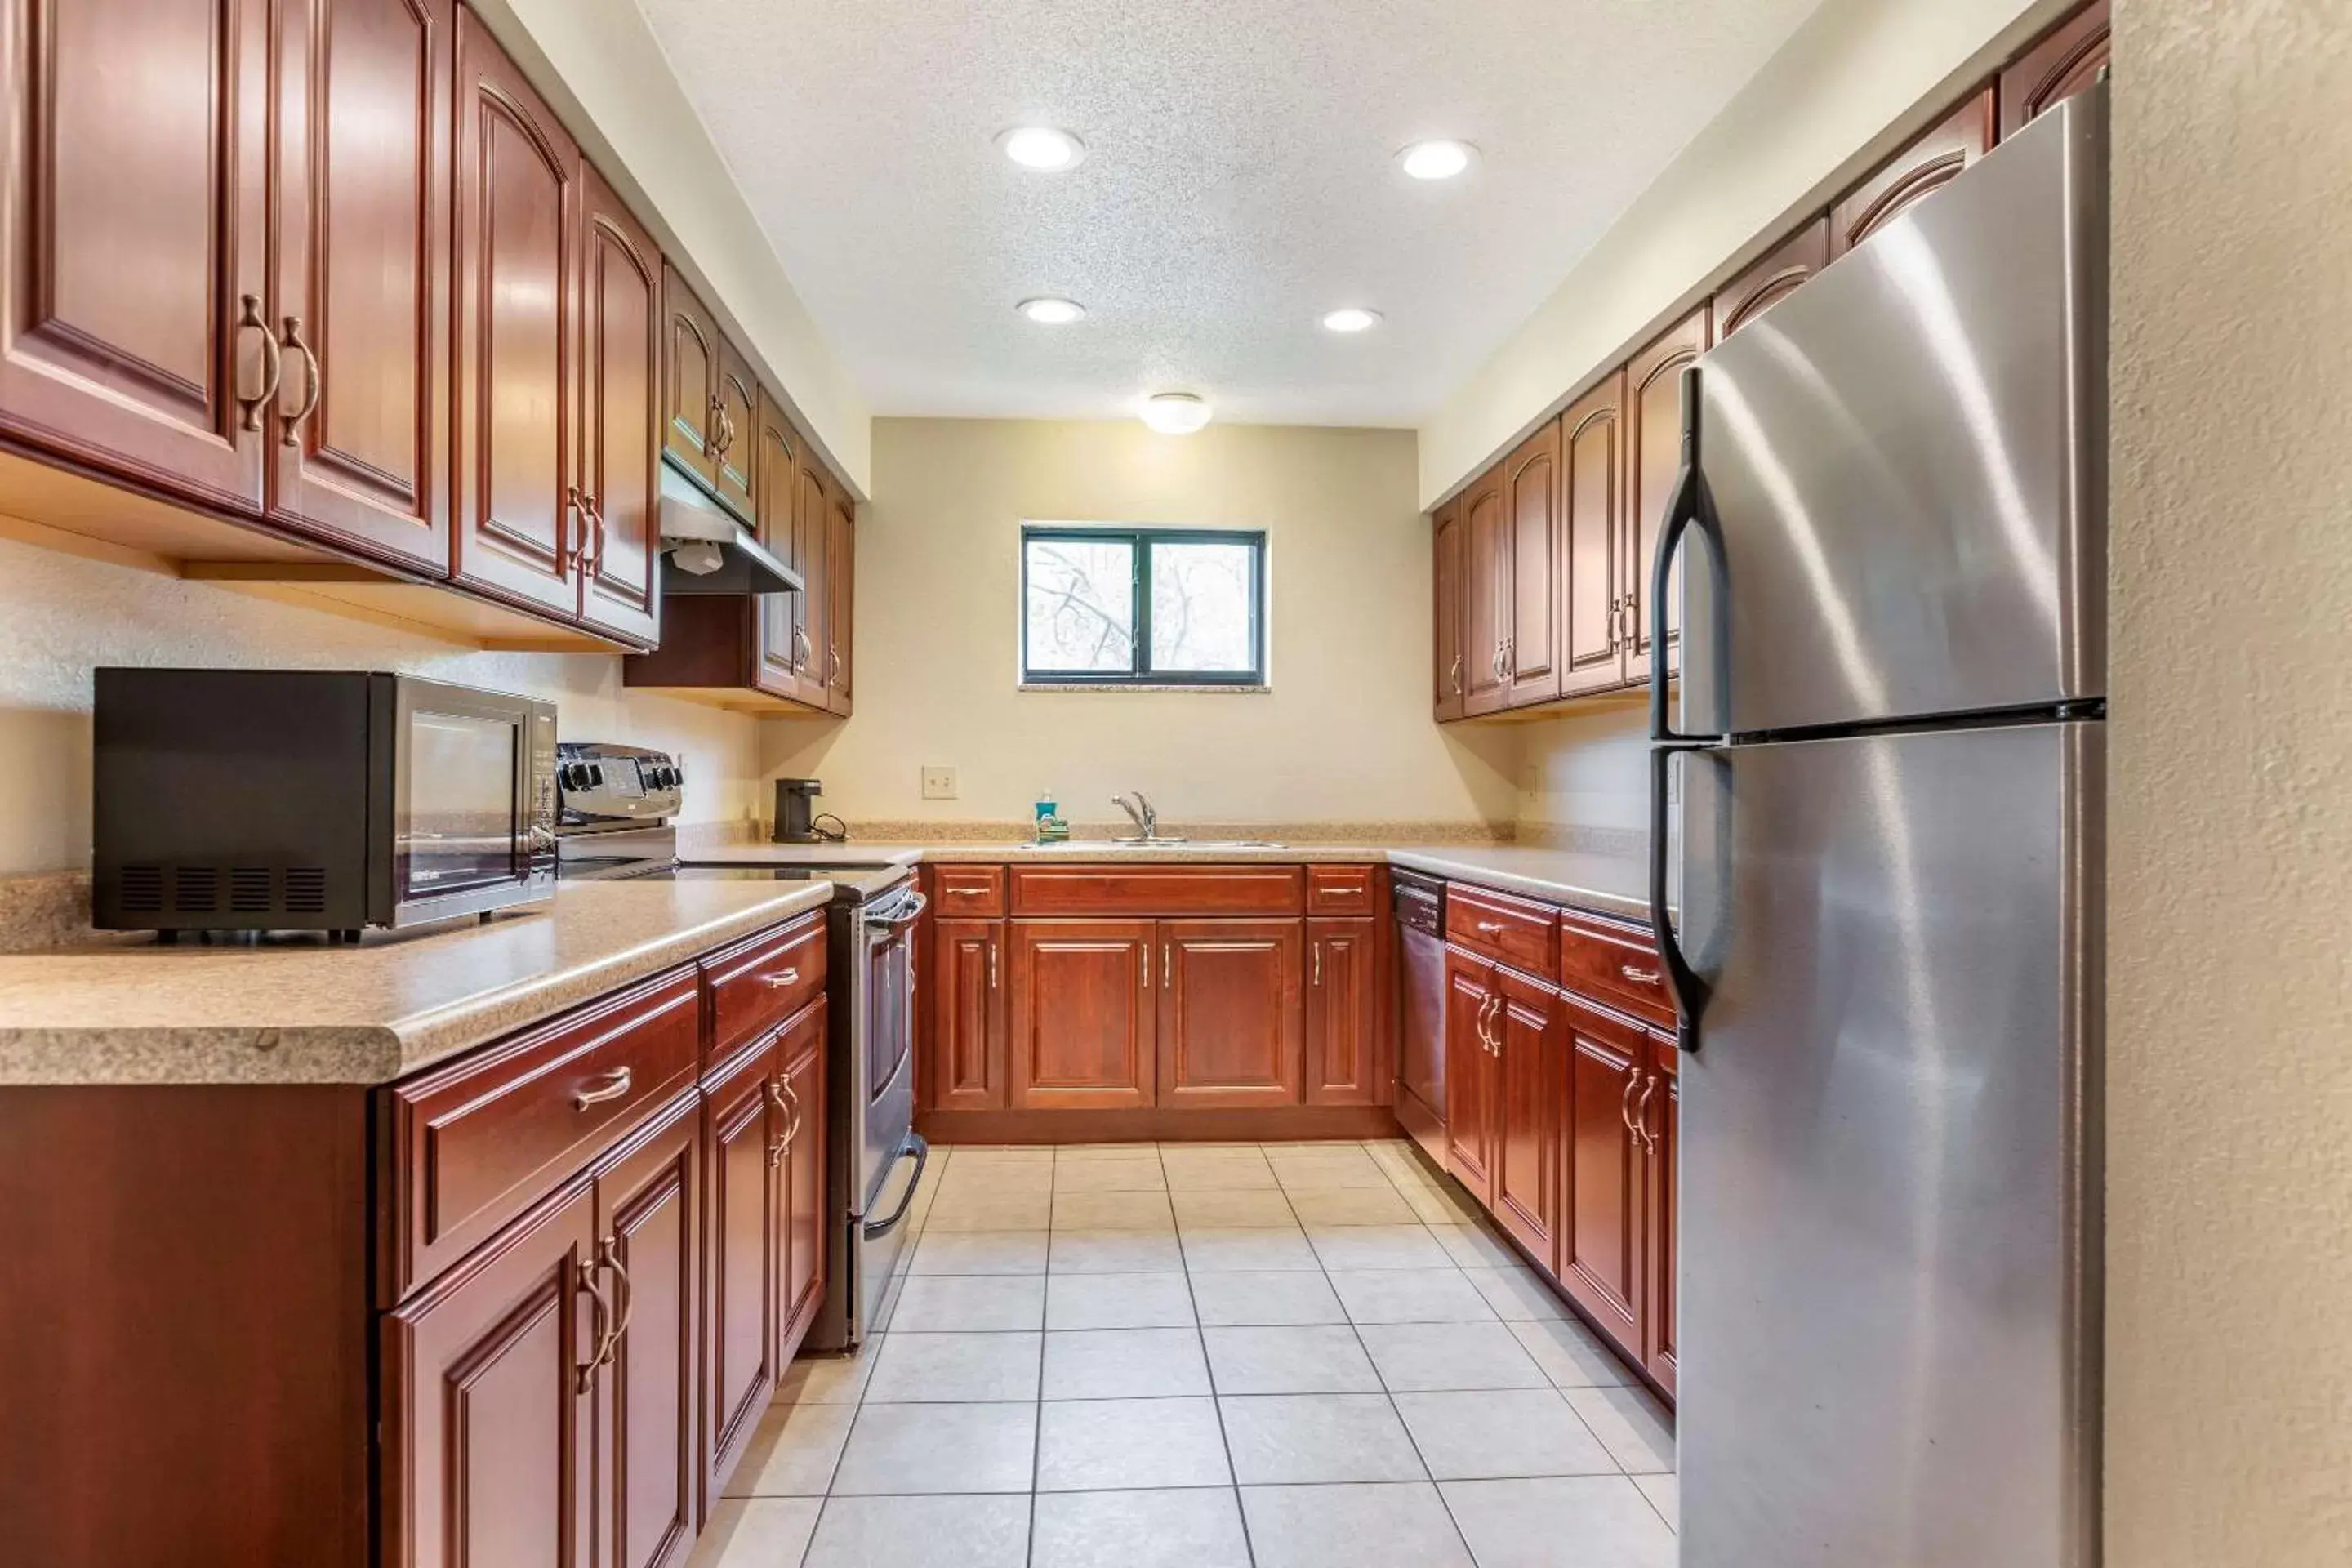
(1140, 812)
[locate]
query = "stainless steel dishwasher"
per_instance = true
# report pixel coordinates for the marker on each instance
(1420, 903)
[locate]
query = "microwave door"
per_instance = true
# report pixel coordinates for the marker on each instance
(473, 800)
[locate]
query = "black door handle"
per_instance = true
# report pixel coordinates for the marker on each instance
(1692, 506)
(915, 1145)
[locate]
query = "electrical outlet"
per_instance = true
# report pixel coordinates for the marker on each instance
(939, 783)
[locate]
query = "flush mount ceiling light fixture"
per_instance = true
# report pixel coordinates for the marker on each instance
(1351, 319)
(1436, 160)
(1175, 413)
(1043, 148)
(1051, 310)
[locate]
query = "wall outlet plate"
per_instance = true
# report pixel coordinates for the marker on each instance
(939, 783)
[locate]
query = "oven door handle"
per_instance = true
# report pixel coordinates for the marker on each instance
(921, 1150)
(906, 912)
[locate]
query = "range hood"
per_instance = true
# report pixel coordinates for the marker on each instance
(706, 550)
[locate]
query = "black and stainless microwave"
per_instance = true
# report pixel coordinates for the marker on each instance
(302, 800)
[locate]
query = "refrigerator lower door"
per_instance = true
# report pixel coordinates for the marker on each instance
(1889, 1260)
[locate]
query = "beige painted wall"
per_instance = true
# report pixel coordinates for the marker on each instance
(62, 616)
(1344, 736)
(1587, 770)
(2230, 987)
(1836, 98)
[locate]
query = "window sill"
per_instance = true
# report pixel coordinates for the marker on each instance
(1223, 688)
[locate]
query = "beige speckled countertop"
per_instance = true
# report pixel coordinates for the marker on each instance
(296, 1011)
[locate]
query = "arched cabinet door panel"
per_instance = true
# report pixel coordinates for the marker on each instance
(2066, 60)
(1929, 163)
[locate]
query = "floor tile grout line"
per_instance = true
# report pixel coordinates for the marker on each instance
(1209, 1369)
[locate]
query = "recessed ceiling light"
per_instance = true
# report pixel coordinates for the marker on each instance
(1042, 147)
(1436, 160)
(1175, 413)
(1048, 311)
(1351, 319)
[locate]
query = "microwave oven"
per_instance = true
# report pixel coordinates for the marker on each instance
(303, 800)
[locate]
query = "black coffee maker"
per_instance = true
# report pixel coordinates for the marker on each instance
(797, 819)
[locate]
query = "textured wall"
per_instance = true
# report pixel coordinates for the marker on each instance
(2230, 1055)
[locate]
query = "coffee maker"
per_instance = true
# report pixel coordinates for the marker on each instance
(797, 818)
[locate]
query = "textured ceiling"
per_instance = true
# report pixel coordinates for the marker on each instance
(1239, 181)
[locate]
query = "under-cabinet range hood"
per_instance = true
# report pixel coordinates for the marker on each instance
(706, 550)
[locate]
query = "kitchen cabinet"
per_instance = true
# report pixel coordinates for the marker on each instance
(2062, 62)
(1346, 1019)
(799, 1159)
(1932, 160)
(1603, 1248)
(1657, 1118)
(743, 1231)
(1471, 999)
(1232, 1029)
(1771, 278)
(1447, 575)
(691, 384)
(1487, 545)
(840, 595)
(970, 1019)
(735, 461)
(1653, 456)
(787, 654)
(519, 530)
(1083, 1013)
(1593, 554)
(1530, 570)
(812, 524)
(1527, 1105)
(620, 463)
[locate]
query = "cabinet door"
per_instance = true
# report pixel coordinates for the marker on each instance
(1344, 1060)
(841, 592)
(1530, 1108)
(1771, 278)
(1531, 633)
(738, 416)
(740, 1125)
(1602, 1242)
(1486, 577)
(1470, 997)
(1233, 1029)
(134, 333)
(1921, 169)
(1592, 497)
(359, 444)
(812, 524)
(648, 1200)
(967, 1015)
(518, 227)
(800, 1162)
(1657, 1112)
(1445, 616)
(487, 1400)
(783, 651)
(2064, 63)
(690, 382)
(1083, 1015)
(1654, 460)
(620, 462)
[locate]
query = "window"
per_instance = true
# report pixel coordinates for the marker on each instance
(1139, 606)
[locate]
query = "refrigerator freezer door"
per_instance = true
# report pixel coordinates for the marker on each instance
(1889, 1256)
(1907, 458)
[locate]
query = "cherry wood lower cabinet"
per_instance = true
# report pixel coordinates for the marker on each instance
(1602, 1242)
(744, 1230)
(1657, 1115)
(1347, 1032)
(801, 1168)
(1470, 1122)
(1505, 1095)
(969, 1017)
(1232, 1026)
(1084, 1015)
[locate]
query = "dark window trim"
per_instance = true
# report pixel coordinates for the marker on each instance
(1139, 671)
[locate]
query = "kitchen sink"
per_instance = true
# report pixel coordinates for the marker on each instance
(1090, 845)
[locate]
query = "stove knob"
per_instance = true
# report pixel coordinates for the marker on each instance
(595, 774)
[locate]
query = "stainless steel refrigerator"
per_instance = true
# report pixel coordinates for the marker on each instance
(1885, 784)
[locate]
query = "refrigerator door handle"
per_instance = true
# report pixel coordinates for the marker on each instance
(1691, 505)
(1689, 992)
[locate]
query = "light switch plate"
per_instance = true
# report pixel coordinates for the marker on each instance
(939, 783)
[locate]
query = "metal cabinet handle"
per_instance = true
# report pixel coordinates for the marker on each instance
(1638, 975)
(596, 509)
(584, 1376)
(1489, 928)
(804, 650)
(774, 1089)
(608, 1254)
(1642, 1111)
(791, 1101)
(780, 980)
(992, 963)
(616, 1084)
(314, 383)
(1147, 966)
(1318, 948)
(1454, 676)
(833, 663)
(272, 368)
(716, 443)
(1625, 1104)
(575, 551)
(1167, 966)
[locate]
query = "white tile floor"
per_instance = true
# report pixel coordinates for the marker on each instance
(1277, 1355)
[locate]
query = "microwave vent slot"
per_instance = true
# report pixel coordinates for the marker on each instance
(249, 889)
(143, 889)
(195, 889)
(306, 891)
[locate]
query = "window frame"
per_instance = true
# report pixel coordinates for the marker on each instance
(1140, 674)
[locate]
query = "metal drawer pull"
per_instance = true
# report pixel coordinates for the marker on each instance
(1490, 928)
(616, 1084)
(1638, 976)
(1626, 1105)
(780, 980)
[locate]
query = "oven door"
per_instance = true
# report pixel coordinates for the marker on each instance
(890, 1155)
(471, 806)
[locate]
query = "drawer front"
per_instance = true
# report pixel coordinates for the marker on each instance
(1507, 929)
(1160, 891)
(758, 985)
(1342, 889)
(1615, 965)
(970, 893)
(475, 1143)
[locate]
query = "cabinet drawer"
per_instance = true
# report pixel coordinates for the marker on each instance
(1614, 964)
(758, 985)
(1341, 890)
(1507, 929)
(475, 1143)
(1160, 891)
(970, 893)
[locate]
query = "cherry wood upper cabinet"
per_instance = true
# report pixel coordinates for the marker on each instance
(743, 1228)
(841, 593)
(784, 651)
(1592, 552)
(1486, 553)
(1084, 1014)
(1448, 668)
(519, 178)
(1602, 1241)
(800, 1161)
(690, 397)
(1531, 602)
(648, 1203)
(487, 1386)
(1346, 1012)
(967, 1015)
(1771, 278)
(1529, 1108)
(1925, 166)
(812, 535)
(1657, 1114)
(134, 331)
(1653, 456)
(1470, 998)
(2064, 62)
(620, 471)
(736, 458)
(1232, 1029)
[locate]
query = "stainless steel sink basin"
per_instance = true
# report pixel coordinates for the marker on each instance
(1098, 846)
